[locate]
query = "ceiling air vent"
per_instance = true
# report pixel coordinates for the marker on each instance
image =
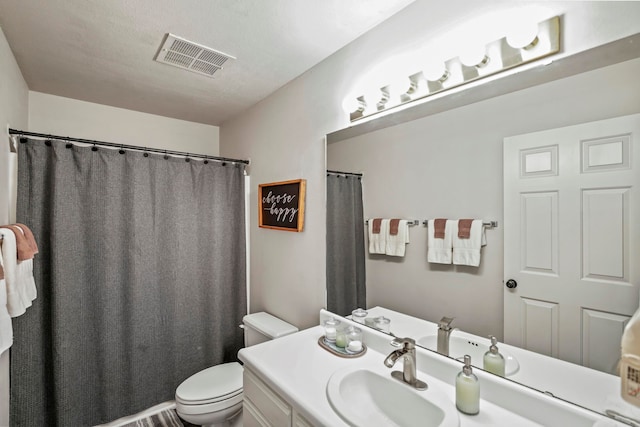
(191, 56)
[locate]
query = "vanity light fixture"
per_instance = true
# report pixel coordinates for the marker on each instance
(521, 45)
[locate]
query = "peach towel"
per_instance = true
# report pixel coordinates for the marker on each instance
(30, 237)
(377, 223)
(438, 228)
(22, 243)
(393, 226)
(464, 228)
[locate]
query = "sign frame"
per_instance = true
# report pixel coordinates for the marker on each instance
(283, 199)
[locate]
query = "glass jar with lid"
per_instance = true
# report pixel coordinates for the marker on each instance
(382, 323)
(331, 326)
(358, 315)
(354, 340)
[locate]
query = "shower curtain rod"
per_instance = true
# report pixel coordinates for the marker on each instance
(344, 173)
(128, 147)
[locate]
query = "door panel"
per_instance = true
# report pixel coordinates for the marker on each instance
(541, 326)
(601, 330)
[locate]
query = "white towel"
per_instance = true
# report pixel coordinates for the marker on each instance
(378, 241)
(467, 251)
(26, 282)
(396, 244)
(15, 305)
(439, 250)
(6, 330)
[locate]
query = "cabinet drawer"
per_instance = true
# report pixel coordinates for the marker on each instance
(251, 417)
(299, 421)
(269, 405)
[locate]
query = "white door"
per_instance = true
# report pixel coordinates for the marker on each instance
(572, 239)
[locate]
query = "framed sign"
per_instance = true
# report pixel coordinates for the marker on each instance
(281, 205)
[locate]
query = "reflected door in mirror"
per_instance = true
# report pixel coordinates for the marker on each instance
(571, 203)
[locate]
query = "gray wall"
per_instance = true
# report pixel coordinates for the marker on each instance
(450, 165)
(283, 136)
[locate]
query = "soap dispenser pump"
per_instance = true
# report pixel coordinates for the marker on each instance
(467, 389)
(493, 361)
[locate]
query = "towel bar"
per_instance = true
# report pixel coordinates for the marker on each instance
(490, 224)
(410, 222)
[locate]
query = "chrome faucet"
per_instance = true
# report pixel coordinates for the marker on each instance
(444, 333)
(408, 354)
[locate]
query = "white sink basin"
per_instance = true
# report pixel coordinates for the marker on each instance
(459, 346)
(364, 398)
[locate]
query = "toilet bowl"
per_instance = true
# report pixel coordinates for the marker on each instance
(213, 396)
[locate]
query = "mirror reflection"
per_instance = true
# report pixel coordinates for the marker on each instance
(455, 164)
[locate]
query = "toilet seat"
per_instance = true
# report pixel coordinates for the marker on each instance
(216, 387)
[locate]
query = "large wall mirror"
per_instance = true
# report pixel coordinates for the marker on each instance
(449, 164)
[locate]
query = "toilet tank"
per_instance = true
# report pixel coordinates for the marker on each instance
(261, 327)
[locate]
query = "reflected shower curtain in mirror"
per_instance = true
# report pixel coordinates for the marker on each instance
(346, 287)
(140, 277)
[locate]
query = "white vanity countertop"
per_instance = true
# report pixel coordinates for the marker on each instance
(584, 386)
(298, 369)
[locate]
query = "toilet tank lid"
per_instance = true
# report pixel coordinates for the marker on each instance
(269, 325)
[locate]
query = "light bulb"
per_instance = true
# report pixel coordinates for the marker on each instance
(400, 86)
(435, 71)
(523, 36)
(351, 104)
(474, 56)
(372, 97)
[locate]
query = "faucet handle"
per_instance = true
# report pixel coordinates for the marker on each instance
(445, 323)
(407, 343)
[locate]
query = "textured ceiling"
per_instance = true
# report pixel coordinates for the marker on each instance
(102, 51)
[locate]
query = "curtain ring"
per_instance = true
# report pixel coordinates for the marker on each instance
(206, 160)
(121, 151)
(145, 152)
(94, 148)
(186, 159)
(166, 156)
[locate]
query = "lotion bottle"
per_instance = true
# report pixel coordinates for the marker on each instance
(467, 389)
(493, 361)
(630, 361)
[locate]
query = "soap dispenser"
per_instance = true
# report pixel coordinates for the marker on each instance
(493, 361)
(630, 361)
(467, 389)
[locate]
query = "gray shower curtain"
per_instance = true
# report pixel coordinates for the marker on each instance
(140, 277)
(346, 287)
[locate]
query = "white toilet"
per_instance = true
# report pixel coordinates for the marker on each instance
(213, 397)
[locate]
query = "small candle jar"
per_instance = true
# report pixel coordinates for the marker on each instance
(354, 340)
(341, 337)
(383, 324)
(358, 315)
(331, 329)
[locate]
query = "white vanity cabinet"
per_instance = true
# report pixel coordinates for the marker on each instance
(265, 408)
